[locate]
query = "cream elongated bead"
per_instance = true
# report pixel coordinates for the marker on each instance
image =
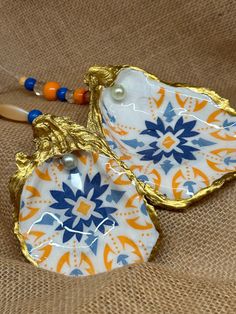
(118, 92)
(69, 161)
(13, 113)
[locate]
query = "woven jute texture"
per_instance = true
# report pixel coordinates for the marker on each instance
(187, 41)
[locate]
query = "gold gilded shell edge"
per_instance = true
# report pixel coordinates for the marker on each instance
(53, 137)
(99, 77)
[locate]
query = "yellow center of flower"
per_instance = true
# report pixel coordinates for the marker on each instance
(83, 208)
(168, 142)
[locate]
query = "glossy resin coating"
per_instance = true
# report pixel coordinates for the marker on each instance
(87, 220)
(179, 141)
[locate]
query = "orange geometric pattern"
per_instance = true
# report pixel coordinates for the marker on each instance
(176, 139)
(75, 235)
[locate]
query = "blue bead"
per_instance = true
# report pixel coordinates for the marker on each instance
(33, 114)
(29, 83)
(61, 93)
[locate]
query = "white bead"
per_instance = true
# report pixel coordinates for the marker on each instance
(117, 92)
(69, 161)
(70, 96)
(38, 88)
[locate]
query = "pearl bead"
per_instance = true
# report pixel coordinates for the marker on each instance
(117, 92)
(69, 161)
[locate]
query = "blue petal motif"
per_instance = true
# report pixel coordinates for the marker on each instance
(186, 127)
(202, 142)
(61, 202)
(115, 196)
(183, 131)
(133, 143)
(59, 196)
(144, 209)
(76, 272)
(92, 242)
(228, 160)
(67, 199)
(47, 220)
(169, 113)
(228, 124)
(166, 166)
(29, 247)
(112, 144)
(122, 259)
(190, 186)
(143, 178)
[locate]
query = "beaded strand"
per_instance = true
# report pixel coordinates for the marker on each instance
(15, 113)
(53, 91)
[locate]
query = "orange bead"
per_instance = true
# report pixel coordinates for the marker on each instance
(79, 95)
(50, 90)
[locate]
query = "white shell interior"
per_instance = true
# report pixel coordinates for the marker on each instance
(177, 140)
(84, 221)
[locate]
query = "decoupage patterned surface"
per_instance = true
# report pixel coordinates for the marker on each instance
(85, 221)
(177, 140)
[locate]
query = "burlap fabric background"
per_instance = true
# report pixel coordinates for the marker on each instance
(188, 41)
